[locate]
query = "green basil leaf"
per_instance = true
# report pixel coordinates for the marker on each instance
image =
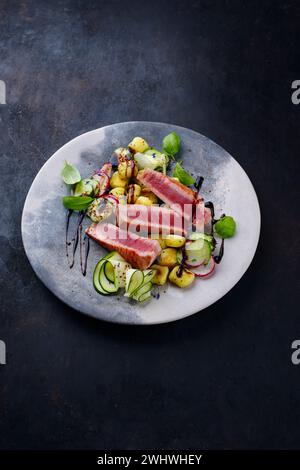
(70, 174)
(171, 143)
(183, 176)
(77, 203)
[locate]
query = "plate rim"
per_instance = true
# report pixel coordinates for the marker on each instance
(149, 323)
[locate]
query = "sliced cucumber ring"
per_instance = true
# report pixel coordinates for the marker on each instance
(114, 255)
(197, 252)
(152, 151)
(145, 296)
(104, 279)
(109, 271)
(96, 277)
(149, 274)
(109, 286)
(121, 268)
(199, 235)
(134, 280)
(193, 258)
(140, 293)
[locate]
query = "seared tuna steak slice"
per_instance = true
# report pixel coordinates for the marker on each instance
(140, 252)
(153, 220)
(179, 197)
(167, 189)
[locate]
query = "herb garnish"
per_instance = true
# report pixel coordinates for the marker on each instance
(70, 174)
(183, 176)
(77, 203)
(171, 144)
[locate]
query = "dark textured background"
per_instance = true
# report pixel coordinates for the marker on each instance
(219, 379)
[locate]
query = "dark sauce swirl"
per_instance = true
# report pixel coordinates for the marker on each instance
(76, 240)
(217, 258)
(198, 184)
(182, 263)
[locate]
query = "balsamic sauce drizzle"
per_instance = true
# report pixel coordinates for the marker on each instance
(182, 263)
(86, 243)
(80, 245)
(198, 186)
(77, 238)
(199, 182)
(217, 258)
(84, 251)
(69, 213)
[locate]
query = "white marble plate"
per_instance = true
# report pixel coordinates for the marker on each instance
(43, 224)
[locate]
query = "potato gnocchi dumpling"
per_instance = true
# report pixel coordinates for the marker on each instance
(175, 241)
(150, 195)
(123, 153)
(117, 192)
(161, 274)
(127, 169)
(138, 144)
(161, 240)
(168, 257)
(133, 192)
(117, 182)
(181, 279)
(143, 200)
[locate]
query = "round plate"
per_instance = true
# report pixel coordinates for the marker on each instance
(43, 224)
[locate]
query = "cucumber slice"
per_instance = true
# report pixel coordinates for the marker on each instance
(134, 280)
(149, 274)
(151, 151)
(193, 258)
(145, 296)
(144, 289)
(102, 278)
(198, 252)
(114, 255)
(120, 267)
(109, 271)
(200, 236)
(111, 287)
(96, 278)
(196, 245)
(138, 284)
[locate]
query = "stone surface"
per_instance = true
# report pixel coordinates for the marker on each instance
(219, 379)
